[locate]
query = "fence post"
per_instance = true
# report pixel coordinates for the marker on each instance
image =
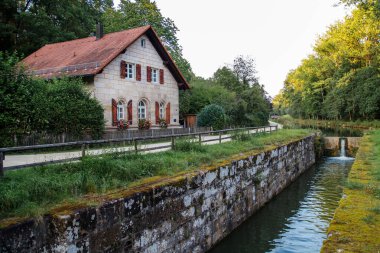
(2, 156)
(173, 142)
(200, 139)
(83, 150)
(276, 128)
(220, 137)
(270, 129)
(135, 143)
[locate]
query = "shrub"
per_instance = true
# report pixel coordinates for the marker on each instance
(31, 105)
(212, 116)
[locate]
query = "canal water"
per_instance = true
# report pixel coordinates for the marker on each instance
(297, 219)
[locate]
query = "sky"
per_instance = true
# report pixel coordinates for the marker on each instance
(277, 34)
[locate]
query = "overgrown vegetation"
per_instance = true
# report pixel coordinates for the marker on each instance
(358, 217)
(236, 89)
(340, 80)
(34, 191)
(212, 116)
(29, 105)
(289, 121)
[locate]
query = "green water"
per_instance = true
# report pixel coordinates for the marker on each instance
(297, 219)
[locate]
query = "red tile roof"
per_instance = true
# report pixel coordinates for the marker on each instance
(89, 56)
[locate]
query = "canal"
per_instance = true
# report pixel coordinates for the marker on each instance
(297, 219)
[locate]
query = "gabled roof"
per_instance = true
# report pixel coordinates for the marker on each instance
(88, 56)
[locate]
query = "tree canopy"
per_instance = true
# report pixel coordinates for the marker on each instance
(30, 105)
(341, 79)
(235, 89)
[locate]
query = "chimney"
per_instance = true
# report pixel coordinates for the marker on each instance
(99, 31)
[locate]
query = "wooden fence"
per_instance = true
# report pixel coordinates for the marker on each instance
(135, 140)
(46, 138)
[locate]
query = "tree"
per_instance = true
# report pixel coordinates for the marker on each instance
(144, 12)
(28, 25)
(29, 105)
(340, 79)
(245, 70)
(204, 92)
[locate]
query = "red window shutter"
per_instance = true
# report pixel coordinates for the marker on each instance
(157, 113)
(114, 112)
(168, 113)
(129, 107)
(148, 74)
(138, 72)
(122, 69)
(161, 76)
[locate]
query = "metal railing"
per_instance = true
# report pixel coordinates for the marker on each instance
(85, 144)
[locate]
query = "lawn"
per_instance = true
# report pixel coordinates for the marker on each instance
(34, 191)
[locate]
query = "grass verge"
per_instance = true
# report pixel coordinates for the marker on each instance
(357, 219)
(35, 191)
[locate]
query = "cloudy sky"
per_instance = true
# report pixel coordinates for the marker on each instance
(278, 34)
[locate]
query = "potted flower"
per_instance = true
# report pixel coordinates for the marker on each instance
(162, 123)
(122, 124)
(144, 124)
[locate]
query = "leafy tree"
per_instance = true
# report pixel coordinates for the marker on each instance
(144, 12)
(212, 116)
(245, 104)
(204, 92)
(245, 70)
(72, 110)
(31, 105)
(226, 77)
(340, 79)
(27, 25)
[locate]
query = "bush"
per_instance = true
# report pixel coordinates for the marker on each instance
(212, 116)
(31, 106)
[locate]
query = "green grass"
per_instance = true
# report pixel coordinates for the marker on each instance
(359, 211)
(33, 191)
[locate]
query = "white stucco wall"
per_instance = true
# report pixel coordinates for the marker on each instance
(108, 85)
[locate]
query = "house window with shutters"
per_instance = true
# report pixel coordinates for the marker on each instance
(120, 110)
(141, 110)
(129, 70)
(154, 75)
(162, 110)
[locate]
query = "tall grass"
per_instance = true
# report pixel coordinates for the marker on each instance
(33, 191)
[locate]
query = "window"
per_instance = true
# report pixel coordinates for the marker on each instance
(129, 70)
(120, 110)
(141, 110)
(154, 75)
(162, 110)
(143, 43)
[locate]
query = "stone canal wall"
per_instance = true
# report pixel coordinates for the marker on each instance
(332, 145)
(185, 213)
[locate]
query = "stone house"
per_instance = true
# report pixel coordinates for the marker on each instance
(129, 72)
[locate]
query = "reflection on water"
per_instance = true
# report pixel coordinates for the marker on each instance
(298, 218)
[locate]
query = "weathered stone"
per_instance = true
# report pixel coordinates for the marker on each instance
(188, 214)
